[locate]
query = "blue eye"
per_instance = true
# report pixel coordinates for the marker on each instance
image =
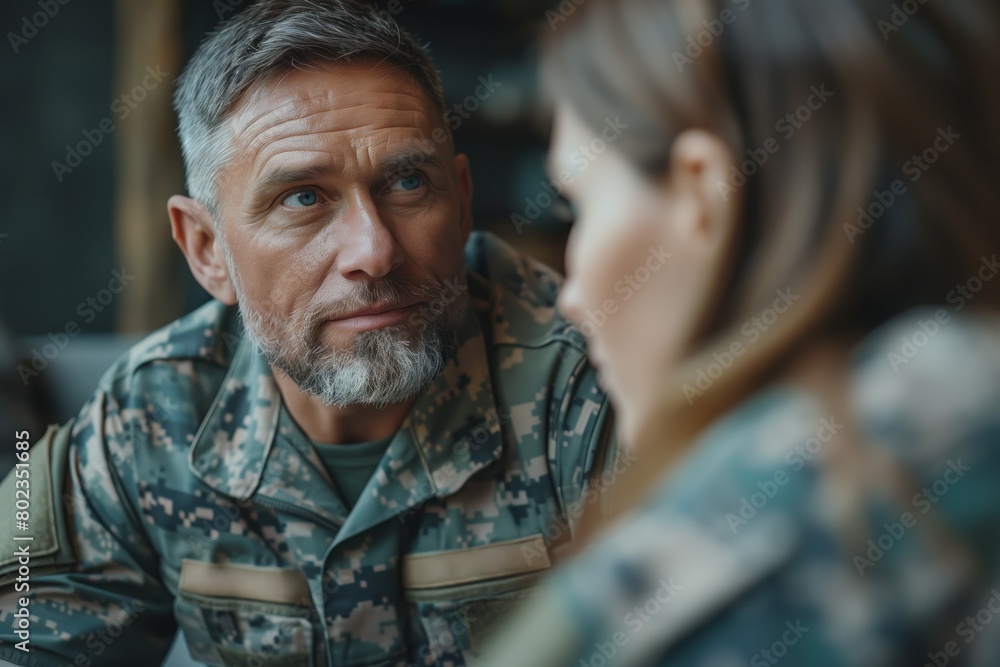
(301, 199)
(409, 183)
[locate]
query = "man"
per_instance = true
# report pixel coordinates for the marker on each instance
(384, 447)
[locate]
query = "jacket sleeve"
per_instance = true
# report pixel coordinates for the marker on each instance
(583, 444)
(79, 581)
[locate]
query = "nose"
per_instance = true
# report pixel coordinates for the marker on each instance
(369, 250)
(570, 302)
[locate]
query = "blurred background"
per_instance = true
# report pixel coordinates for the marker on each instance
(87, 264)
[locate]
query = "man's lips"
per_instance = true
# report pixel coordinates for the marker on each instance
(376, 317)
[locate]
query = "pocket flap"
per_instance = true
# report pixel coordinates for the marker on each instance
(437, 569)
(51, 551)
(246, 582)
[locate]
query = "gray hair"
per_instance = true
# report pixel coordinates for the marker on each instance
(270, 38)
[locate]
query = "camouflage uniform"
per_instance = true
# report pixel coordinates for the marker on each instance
(184, 490)
(799, 535)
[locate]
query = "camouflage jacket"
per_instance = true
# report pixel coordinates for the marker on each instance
(185, 495)
(797, 534)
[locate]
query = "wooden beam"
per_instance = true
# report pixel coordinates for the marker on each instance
(147, 161)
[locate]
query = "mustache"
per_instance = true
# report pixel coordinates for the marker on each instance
(388, 290)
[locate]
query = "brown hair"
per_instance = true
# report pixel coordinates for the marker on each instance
(856, 210)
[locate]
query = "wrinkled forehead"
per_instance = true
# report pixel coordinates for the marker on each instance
(333, 98)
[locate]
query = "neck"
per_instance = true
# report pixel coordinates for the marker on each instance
(340, 425)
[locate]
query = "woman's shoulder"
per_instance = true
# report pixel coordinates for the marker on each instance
(919, 411)
(925, 395)
(790, 508)
(918, 392)
(927, 381)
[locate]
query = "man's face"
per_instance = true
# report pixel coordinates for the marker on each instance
(344, 223)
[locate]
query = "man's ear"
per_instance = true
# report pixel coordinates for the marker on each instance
(463, 175)
(194, 231)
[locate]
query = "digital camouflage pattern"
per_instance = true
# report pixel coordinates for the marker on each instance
(186, 491)
(800, 534)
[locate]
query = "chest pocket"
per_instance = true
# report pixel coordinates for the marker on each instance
(246, 615)
(457, 597)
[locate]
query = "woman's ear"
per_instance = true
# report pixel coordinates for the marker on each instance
(706, 207)
(195, 233)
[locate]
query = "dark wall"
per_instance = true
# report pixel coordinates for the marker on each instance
(59, 245)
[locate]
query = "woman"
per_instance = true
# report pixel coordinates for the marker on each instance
(811, 379)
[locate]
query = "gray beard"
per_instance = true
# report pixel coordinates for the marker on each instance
(382, 367)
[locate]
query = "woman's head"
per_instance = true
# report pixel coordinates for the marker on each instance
(783, 171)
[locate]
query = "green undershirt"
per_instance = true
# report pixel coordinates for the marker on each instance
(351, 466)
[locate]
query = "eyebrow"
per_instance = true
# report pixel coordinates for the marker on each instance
(389, 165)
(409, 159)
(281, 178)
